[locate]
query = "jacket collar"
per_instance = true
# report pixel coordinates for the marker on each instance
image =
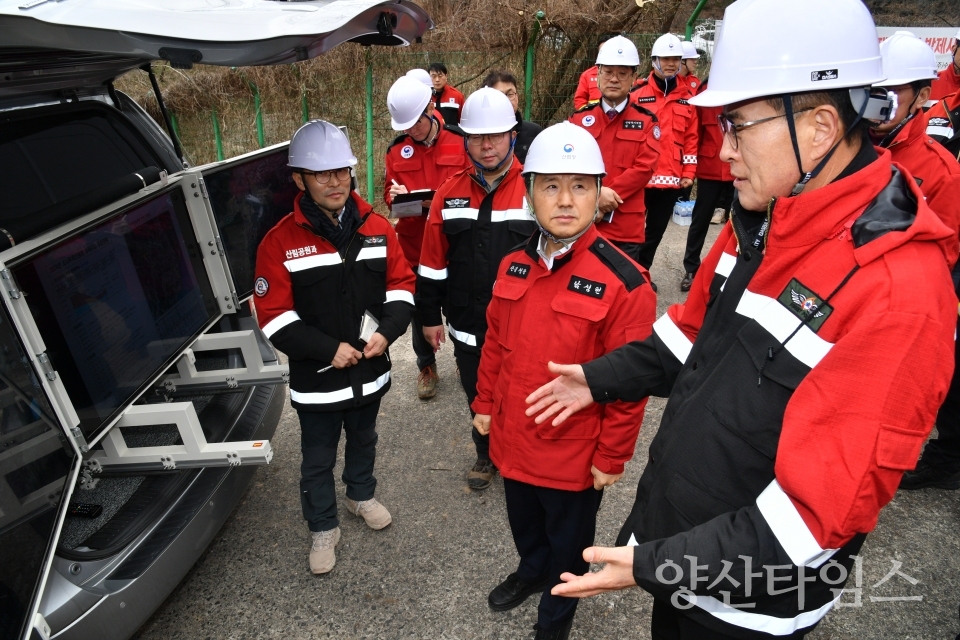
(914, 130)
(586, 240)
(363, 208)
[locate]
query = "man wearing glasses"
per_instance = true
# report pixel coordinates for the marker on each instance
(629, 138)
(477, 216)
(333, 291)
(805, 369)
(506, 83)
(448, 100)
(666, 94)
(420, 159)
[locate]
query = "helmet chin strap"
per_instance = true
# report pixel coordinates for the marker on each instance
(565, 242)
(805, 177)
(482, 168)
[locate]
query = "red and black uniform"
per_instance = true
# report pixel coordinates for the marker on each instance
(310, 297)
(935, 171)
(947, 82)
(592, 300)
(714, 182)
(943, 123)
(588, 90)
(416, 165)
(693, 82)
(630, 145)
(669, 100)
(803, 375)
(469, 230)
(449, 102)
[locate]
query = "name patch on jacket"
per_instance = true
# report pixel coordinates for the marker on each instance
(375, 241)
(682, 101)
(647, 99)
(518, 270)
(302, 251)
(587, 287)
(456, 203)
(805, 304)
(633, 124)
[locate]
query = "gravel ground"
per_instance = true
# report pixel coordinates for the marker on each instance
(428, 574)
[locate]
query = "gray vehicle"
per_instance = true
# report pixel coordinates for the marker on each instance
(137, 393)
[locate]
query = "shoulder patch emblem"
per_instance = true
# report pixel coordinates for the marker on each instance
(588, 121)
(375, 241)
(656, 132)
(456, 203)
(805, 304)
(518, 270)
(647, 99)
(261, 286)
(633, 124)
(587, 287)
(407, 151)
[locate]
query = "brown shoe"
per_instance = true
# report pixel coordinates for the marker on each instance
(322, 550)
(373, 513)
(480, 477)
(427, 382)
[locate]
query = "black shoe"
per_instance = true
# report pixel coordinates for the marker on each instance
(481, 475)
(686, 282)
(512, 592)
(935, 475)
(560, 633)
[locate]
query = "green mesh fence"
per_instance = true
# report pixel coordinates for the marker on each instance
(327, 92)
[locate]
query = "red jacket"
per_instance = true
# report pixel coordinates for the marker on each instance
(943, 119)
(587, 88)
(709, 142)
(449, 102)
(678, 127)
(417, 166)
(630, 145)
(309, 299)
(947, 82)
(693, 82)
(594, 300)
(935, 171)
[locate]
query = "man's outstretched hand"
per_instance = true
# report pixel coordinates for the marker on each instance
(565, 394)
(617, 574)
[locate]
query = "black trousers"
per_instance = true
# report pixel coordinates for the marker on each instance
(711, 194)
(551, 528)
(425, 354)
(319, 437)
(659, 209)
(632, 249)
(667, 623)
(468, 363)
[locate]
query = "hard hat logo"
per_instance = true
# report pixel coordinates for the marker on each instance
(568, 148)
(826, 74)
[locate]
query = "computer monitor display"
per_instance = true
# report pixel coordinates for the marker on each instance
(248, 198)
(117, 302)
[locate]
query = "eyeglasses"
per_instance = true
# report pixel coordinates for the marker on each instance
(323, 177)
(608, 73)
(476, 139)
(730, 128)
(510, 94)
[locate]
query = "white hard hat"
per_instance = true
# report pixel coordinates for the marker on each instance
(689, 50)
(320, 146)
(422, 76)
(667, 46)
(406, 101)
(487, 110)
(907, 58)
(768, 48)
(618, 51)
(564, 148)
